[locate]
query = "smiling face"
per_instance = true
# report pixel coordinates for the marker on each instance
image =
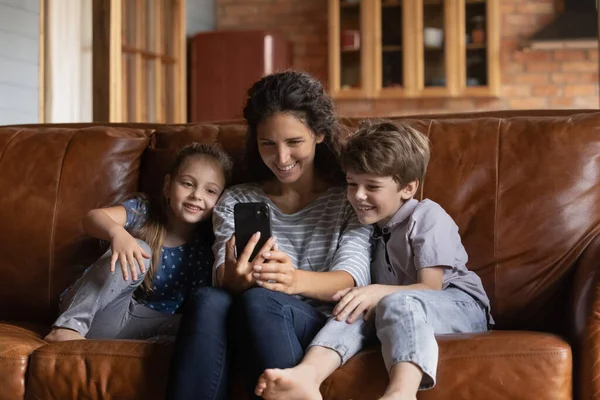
(287, 146)
(195, 189)
(375, 198)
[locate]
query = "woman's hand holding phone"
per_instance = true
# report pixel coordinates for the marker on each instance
(276, 273)
(237, 274)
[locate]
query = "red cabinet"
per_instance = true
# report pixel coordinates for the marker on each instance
(224, 64)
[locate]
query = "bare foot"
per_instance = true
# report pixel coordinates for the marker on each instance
(397, 396)
(297, 383)
(62, 335)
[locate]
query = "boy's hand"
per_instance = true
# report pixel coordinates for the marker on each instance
(277, 273)
(126, 249)
(355, 301)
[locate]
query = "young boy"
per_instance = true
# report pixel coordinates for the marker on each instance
(421, 284)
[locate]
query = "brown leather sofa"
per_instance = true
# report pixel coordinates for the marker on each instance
(524, 188)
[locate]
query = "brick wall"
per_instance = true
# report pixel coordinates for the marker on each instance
(303, 22)
(534, 79)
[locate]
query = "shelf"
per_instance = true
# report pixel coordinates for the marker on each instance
(391, 48)
(350, 5)
(350, 51)
(392, 3)
(475, 1)
(473, 46)
(441, 48)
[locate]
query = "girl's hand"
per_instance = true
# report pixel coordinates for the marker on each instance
(127, 250)
(277, 273)
(237, 274)
(355, 301)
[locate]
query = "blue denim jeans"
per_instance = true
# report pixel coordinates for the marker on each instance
(273, 331)
(406, 323)
(199, 368)
(265, 329)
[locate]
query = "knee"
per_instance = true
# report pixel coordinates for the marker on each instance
(257, 297)
(145, 247)
(396, 304)
(209, 299)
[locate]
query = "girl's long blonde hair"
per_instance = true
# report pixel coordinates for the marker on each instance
(154, 229)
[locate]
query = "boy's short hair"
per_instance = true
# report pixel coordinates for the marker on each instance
(383, 148)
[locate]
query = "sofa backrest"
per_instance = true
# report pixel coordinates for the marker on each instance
(524, 191)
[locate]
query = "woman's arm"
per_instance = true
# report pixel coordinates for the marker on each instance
(223, 229)
(322, 285)
(231, 272)
(353, 254)
(350, 266)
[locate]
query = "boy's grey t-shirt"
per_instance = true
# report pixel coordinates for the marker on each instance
(422, 235)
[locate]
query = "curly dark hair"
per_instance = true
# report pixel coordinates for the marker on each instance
(298, 94)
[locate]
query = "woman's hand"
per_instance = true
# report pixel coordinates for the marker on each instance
(237, 274)
(127, 250)
(355, 301)
(277, 273)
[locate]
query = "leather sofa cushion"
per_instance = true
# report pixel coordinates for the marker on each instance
(99, 369)
(16, 344)
(493, 365)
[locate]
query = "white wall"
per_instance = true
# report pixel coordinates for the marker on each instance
(19, 54)
(19, 61)
(201, 16)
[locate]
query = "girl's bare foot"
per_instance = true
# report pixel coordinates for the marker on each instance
(62, 335)
(299, 383)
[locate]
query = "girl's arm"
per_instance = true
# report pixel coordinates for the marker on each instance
(110, 224)
(105, 223)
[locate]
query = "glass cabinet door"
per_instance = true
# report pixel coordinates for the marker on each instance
(392, 44)
(350, 44)
(348, 59)
(435, 36)
(434, 55)
(480, 73)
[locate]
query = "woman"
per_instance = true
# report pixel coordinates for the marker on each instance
(274, 305)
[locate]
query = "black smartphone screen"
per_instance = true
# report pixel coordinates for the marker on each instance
(249, 219)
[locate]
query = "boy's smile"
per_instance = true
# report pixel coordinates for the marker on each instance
(376, 198)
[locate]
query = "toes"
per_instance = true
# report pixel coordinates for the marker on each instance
(260, 386)
(271, 374)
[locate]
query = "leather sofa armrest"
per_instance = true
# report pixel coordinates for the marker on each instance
(586, 322)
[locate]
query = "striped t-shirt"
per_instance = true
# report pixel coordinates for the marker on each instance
(324, 236)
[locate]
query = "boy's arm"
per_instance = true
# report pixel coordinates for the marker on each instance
(355, 301)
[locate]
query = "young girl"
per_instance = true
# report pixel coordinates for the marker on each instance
(164, 247)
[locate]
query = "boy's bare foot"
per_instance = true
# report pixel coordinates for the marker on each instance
(297, 383)
(397, 396)
(62, 335)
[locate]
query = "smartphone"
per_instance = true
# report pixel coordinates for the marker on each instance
(249, 219)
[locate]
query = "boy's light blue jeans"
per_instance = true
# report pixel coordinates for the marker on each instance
(406, 323)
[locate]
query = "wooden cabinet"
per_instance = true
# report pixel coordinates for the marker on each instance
(413, 48)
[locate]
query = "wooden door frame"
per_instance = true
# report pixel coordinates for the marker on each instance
(106, 75)
(107, 91)
(43, 4)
